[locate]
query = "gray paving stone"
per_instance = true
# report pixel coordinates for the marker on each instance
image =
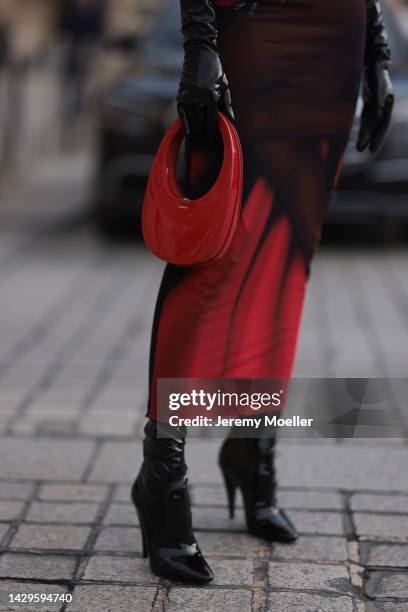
(49, 417)
(5, 418)
(387, 584)
(302, 602)
(10, 510)
(117, 462)
(11, 396)
(228, 544)
(202, 463)
(107, 423)
(7, 406)
(122, 494)
(6, 588)
(384, 526)
(385, 606)
(312, 548)
(379, 503)
(72, 492)
(44, 459)
(50, 537)
(386, 555)
(43, 407)
(328, 523)
(3, 530)
(310, 500)
(15, 490)
(3, 425)
(61, 395)
(197, 600)
(119, 569)
(211, 495)
(121, 514)
(123, 539)
(306, 576)
(231, 571)
(325, 465)
(218, 519)
(111, 598)
(25, 428)
(49, 427)
(38, 567)
(50, 512)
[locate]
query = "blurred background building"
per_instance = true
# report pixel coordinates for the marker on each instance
(55, 55)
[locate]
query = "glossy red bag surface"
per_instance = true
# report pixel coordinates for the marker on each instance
(192, 232)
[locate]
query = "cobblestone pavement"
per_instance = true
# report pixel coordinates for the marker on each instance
(75, 317)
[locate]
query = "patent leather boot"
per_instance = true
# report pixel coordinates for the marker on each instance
(248, 464)
(160, 495)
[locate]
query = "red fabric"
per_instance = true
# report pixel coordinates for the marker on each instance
(294, 91)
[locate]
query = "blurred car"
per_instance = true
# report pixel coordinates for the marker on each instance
(135, 115)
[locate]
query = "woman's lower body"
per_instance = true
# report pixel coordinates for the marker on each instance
(294, 68)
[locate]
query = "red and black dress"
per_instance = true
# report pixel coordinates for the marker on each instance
(293, 68)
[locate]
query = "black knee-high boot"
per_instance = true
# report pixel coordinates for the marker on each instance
(248, 463)
(160, 495)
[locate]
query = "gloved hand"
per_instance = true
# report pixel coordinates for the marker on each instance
(378, 93)
(203, 87)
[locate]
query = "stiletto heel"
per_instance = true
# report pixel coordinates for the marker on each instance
(230, 487)
(248, 463)
(145, 553)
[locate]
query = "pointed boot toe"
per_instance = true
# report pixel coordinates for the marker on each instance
(184, 563)
(272, 524)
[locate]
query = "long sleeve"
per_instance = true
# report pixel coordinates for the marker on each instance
(198, 22)
(377, 50)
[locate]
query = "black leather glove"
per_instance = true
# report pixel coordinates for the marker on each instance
(203, 88)
(378, 93)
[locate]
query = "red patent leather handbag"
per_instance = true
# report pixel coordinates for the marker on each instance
(192, 232)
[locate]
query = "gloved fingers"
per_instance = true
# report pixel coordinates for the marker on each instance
(188, 117)
(211, 119)
(204, 119)
(226, 106)
(184, 120)
(364, 133)
(373, 127)
(382, 124)
(191, 115)
(199, 115)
